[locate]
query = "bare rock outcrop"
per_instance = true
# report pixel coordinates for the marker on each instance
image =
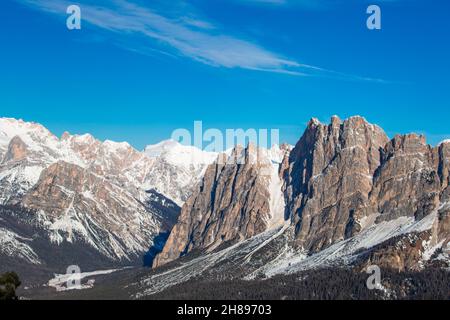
(443, 151)
(443, 228)
(75, 204)
(403, 253)
(232, 203)
(329, 179)
(340, 179)
(407, 182)
(17, 150)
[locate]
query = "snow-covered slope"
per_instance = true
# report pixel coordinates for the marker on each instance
(345, 252)
(43, 146)
(118, 162)
(96, 192)
(269, 254)
(42, 149)
(14, 245)
(239, 196)
(59, 282)
(277, 203)
(168, 167)
(176, 169)
(83, 190)
(76, 204)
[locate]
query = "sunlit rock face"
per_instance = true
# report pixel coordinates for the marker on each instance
(344, 185)
(76, 204)
(341, 180)
(17, 150)
(329, 179)
(407, 182)
(238, 197)
(82, 191)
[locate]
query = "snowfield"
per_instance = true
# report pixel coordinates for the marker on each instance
(59, 282)
(241, 257)
(13, 245)
(344, 252)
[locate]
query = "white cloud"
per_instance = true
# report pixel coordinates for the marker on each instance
(186, 36)
(193, 38)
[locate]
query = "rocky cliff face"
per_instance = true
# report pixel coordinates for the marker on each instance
(347, 175)
(17, 150)
(407, 182)
(346, 192)
(329, 178)
(443, 151)
(75, 204)
(27, 148)
(238, 197)
(83, 191)
(341, 183)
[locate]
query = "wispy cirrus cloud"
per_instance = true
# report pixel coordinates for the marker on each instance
(184, 35)
(194, 38)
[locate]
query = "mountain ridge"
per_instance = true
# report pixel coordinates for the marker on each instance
(346, 195)
(339, 180)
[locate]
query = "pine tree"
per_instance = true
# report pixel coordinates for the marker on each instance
(9, 282)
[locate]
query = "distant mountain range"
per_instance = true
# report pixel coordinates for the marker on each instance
(345, 196)
(77, 191)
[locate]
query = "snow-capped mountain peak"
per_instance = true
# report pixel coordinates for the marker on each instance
(155, 150)
(80, 188)
(176, 169)
(179, 154)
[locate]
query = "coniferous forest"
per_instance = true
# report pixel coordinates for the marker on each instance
(324, 284)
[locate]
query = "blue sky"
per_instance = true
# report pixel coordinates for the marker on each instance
(137, 70)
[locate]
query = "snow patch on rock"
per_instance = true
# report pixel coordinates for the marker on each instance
(13, 245)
